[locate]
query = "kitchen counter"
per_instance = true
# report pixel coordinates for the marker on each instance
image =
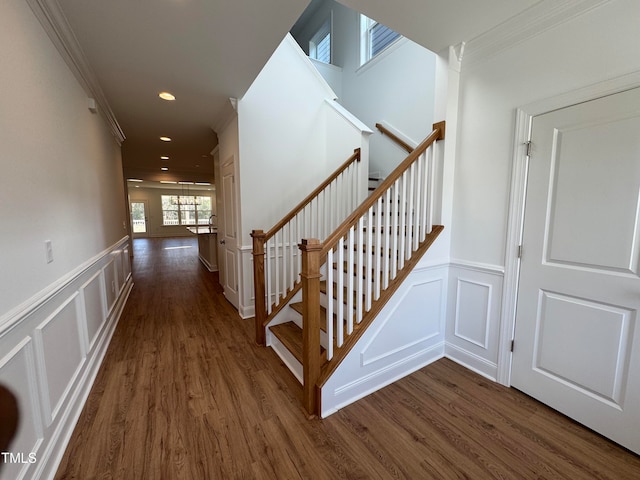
(203, 229)
(207, 245)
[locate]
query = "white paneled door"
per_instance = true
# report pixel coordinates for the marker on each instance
(577, 339)
(229, 239)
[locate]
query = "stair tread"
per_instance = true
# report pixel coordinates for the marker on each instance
(298, 306)
(290, 335)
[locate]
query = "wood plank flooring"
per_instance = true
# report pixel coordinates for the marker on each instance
(184, 393)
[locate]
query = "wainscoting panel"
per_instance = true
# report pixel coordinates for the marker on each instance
(94, 307)
(407, 335)
(473, 305)
(110, 279)
(246, 301)
(124, 267)
(473, 322)
(51, 348)
(421, 300)
(59, 355)
(17, 372)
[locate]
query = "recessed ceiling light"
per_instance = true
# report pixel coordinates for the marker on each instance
(134, 180)
(164, 157)
(137, 186)
(165, 139)
(165, 168)
(166, 96)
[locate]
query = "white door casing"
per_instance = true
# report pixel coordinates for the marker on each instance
(139, 226)
(229, 238)
(577, 345)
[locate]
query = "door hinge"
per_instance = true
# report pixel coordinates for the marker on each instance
(529, 146)
(513, 342)
(519, 251)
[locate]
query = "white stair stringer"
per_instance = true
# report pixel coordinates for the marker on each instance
(408, 334)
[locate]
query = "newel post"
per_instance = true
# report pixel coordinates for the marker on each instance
(310, 276)
(258, 285)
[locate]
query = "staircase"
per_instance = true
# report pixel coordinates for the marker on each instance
(321, 295)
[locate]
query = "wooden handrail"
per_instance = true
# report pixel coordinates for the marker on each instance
(394, 137)
(312, 195)
(341, 231)
(263, 311)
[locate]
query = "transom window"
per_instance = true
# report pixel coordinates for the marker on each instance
(186, 209)
(374, 38)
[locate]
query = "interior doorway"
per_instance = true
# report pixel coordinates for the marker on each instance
(577, 345)
(139, 219)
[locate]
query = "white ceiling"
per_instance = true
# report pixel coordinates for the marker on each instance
(206, 51)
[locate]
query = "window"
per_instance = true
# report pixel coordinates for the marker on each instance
(185, 210)
(374, 38)
(320, 43)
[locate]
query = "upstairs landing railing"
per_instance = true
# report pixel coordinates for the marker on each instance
(276, 260)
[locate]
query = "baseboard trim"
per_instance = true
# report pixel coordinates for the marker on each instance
(471, 361)
(373, 382)
(48, 465)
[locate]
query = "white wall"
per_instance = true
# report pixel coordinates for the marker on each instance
(599, 45)
(396, 87)
(282, 139)
(61, 181)
(61, 168)
(287, 138)
(596, 46)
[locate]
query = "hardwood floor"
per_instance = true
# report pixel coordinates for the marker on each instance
(184, 393)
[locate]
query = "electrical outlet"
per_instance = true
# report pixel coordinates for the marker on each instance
(49, 250)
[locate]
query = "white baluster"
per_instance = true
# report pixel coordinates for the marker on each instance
(276, 263)
(394, 228)
(329, 329)
(359, 269)
(350, 275)
(268, 272)
(339, 295)
(410, 223)
(420, 186)
(387, 245)
(368, 284)
(376, 250)
(431, 185)
(403, 221)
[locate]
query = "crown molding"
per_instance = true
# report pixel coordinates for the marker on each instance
(52, 18)
(529, 23)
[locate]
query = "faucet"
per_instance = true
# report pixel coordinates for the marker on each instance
(211, 222)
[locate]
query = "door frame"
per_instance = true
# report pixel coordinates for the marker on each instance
(517, 198)
(146, 219)
(231, 162)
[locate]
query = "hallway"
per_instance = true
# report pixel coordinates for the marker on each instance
(184, 393)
